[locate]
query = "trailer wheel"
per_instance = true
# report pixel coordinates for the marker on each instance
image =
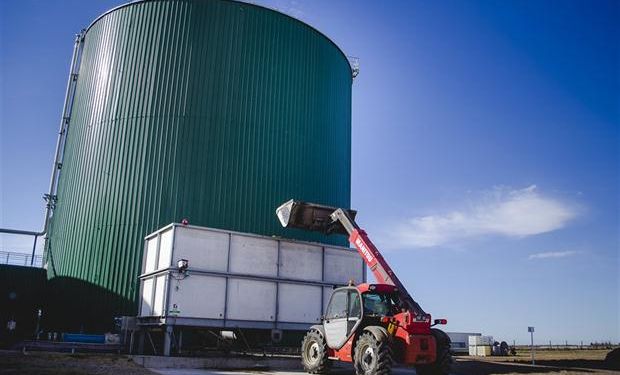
(372, 356)
(314, 353)
(443, 362)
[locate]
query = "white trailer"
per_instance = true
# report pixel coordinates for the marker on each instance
(239, 280)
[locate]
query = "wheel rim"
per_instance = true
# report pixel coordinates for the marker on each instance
(368, 359)
(312, 352)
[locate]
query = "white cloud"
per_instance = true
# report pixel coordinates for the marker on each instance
(504, 212)
(552, 254)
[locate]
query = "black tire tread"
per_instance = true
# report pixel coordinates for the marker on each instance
(323, 365)
(384, 356)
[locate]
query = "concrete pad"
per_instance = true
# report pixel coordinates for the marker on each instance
(170, 371)
(253, 363)
(336, 371)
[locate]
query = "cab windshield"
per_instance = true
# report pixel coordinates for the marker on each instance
(380, 304)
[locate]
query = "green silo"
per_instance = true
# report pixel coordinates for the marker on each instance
(211, 110)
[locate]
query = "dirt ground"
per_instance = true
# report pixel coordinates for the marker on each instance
(548, 363)
(556, 355)
(39, 363)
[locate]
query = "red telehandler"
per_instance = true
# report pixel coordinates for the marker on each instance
(371, 325)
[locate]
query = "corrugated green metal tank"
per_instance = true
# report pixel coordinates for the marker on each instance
(211, 110)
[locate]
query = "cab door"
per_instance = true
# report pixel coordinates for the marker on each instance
(342, 316)
(335, 322)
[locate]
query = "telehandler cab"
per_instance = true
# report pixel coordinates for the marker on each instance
(371, 325)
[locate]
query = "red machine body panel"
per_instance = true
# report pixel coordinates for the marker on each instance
(413, 342)
(409, 330)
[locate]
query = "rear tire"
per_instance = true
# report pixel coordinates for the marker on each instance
(314, 353)
(372, 356)
(443, 361)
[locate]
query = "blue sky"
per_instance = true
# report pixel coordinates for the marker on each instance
(485, 148)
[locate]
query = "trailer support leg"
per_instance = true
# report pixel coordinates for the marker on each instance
(141, 341)
(168, 340)
(180, 340)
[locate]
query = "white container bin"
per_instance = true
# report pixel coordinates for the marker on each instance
(483, 351)
(459, 341)
(240, 279)
(486, 340)
(477, 340)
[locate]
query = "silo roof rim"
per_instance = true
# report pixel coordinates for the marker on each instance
(232, 1)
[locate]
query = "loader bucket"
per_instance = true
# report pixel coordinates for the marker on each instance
(310, 216)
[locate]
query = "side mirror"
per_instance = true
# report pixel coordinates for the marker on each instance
(439, 321)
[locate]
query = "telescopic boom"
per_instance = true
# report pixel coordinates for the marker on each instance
(326, 219)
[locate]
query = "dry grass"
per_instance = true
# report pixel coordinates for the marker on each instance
(551, 362)
(555, 355)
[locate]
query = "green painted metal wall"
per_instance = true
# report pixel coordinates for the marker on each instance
(211, 110)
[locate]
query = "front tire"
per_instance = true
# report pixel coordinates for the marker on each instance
(443, 361)
(372, 356)
(314, 353)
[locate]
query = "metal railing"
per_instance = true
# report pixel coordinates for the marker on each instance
(20, 259)
(18, 232)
